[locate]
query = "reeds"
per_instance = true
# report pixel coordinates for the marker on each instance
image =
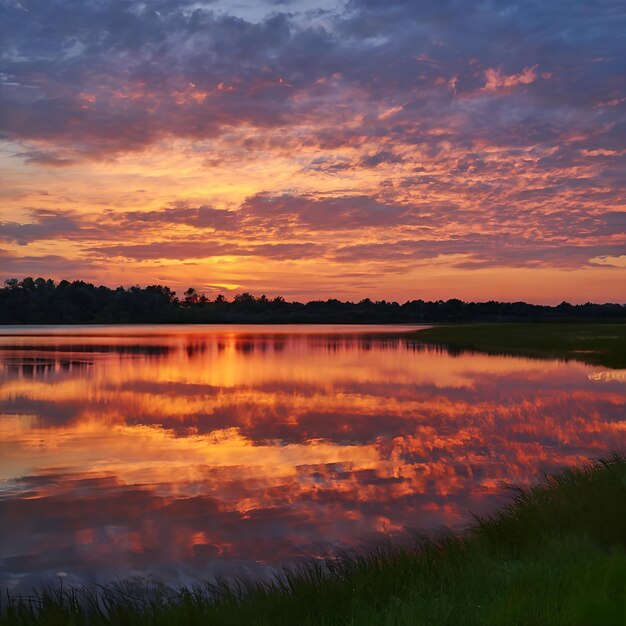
(556, 554)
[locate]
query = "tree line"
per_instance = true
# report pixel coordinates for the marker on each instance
(43, 301)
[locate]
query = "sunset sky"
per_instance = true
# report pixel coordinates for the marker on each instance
(395, 149)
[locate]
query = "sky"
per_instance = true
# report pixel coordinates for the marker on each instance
(395, 149)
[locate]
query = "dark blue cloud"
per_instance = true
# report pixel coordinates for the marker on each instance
(46, 225)
(270, 71)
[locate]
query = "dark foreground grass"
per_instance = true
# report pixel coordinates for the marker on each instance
(592, 342)
(555, 555)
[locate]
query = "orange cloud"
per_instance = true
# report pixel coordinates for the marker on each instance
(496, 80)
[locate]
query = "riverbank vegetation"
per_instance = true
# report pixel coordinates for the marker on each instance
(41, 301)
(555, 555)
(595, 343)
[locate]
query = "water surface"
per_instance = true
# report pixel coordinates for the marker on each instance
(181, 452)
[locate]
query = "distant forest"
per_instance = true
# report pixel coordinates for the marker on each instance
(40, 301)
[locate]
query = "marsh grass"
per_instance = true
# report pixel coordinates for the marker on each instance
(556, 554)
(597, 343)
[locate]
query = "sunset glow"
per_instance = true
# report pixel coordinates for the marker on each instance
(361, 148)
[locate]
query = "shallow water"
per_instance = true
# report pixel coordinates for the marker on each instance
(184, 452)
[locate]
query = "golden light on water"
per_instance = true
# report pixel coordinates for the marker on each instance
(266, 446)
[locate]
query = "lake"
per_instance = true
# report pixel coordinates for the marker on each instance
(185, 452)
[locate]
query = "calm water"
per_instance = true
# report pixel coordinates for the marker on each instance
(184, 451)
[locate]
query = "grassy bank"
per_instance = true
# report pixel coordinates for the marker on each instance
(555, 555)
(596, 343)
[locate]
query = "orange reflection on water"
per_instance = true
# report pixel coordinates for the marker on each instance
(183, 452)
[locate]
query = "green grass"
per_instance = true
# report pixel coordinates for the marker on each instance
(592, 342)
(555, 555)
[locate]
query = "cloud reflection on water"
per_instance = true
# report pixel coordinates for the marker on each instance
(229, 451)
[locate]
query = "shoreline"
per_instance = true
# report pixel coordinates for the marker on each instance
(593, 343)
(555, 554)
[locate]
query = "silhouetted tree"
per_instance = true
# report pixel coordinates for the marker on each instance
(30, 301)
(191, 297)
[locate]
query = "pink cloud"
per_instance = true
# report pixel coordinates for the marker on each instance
(497, 81)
